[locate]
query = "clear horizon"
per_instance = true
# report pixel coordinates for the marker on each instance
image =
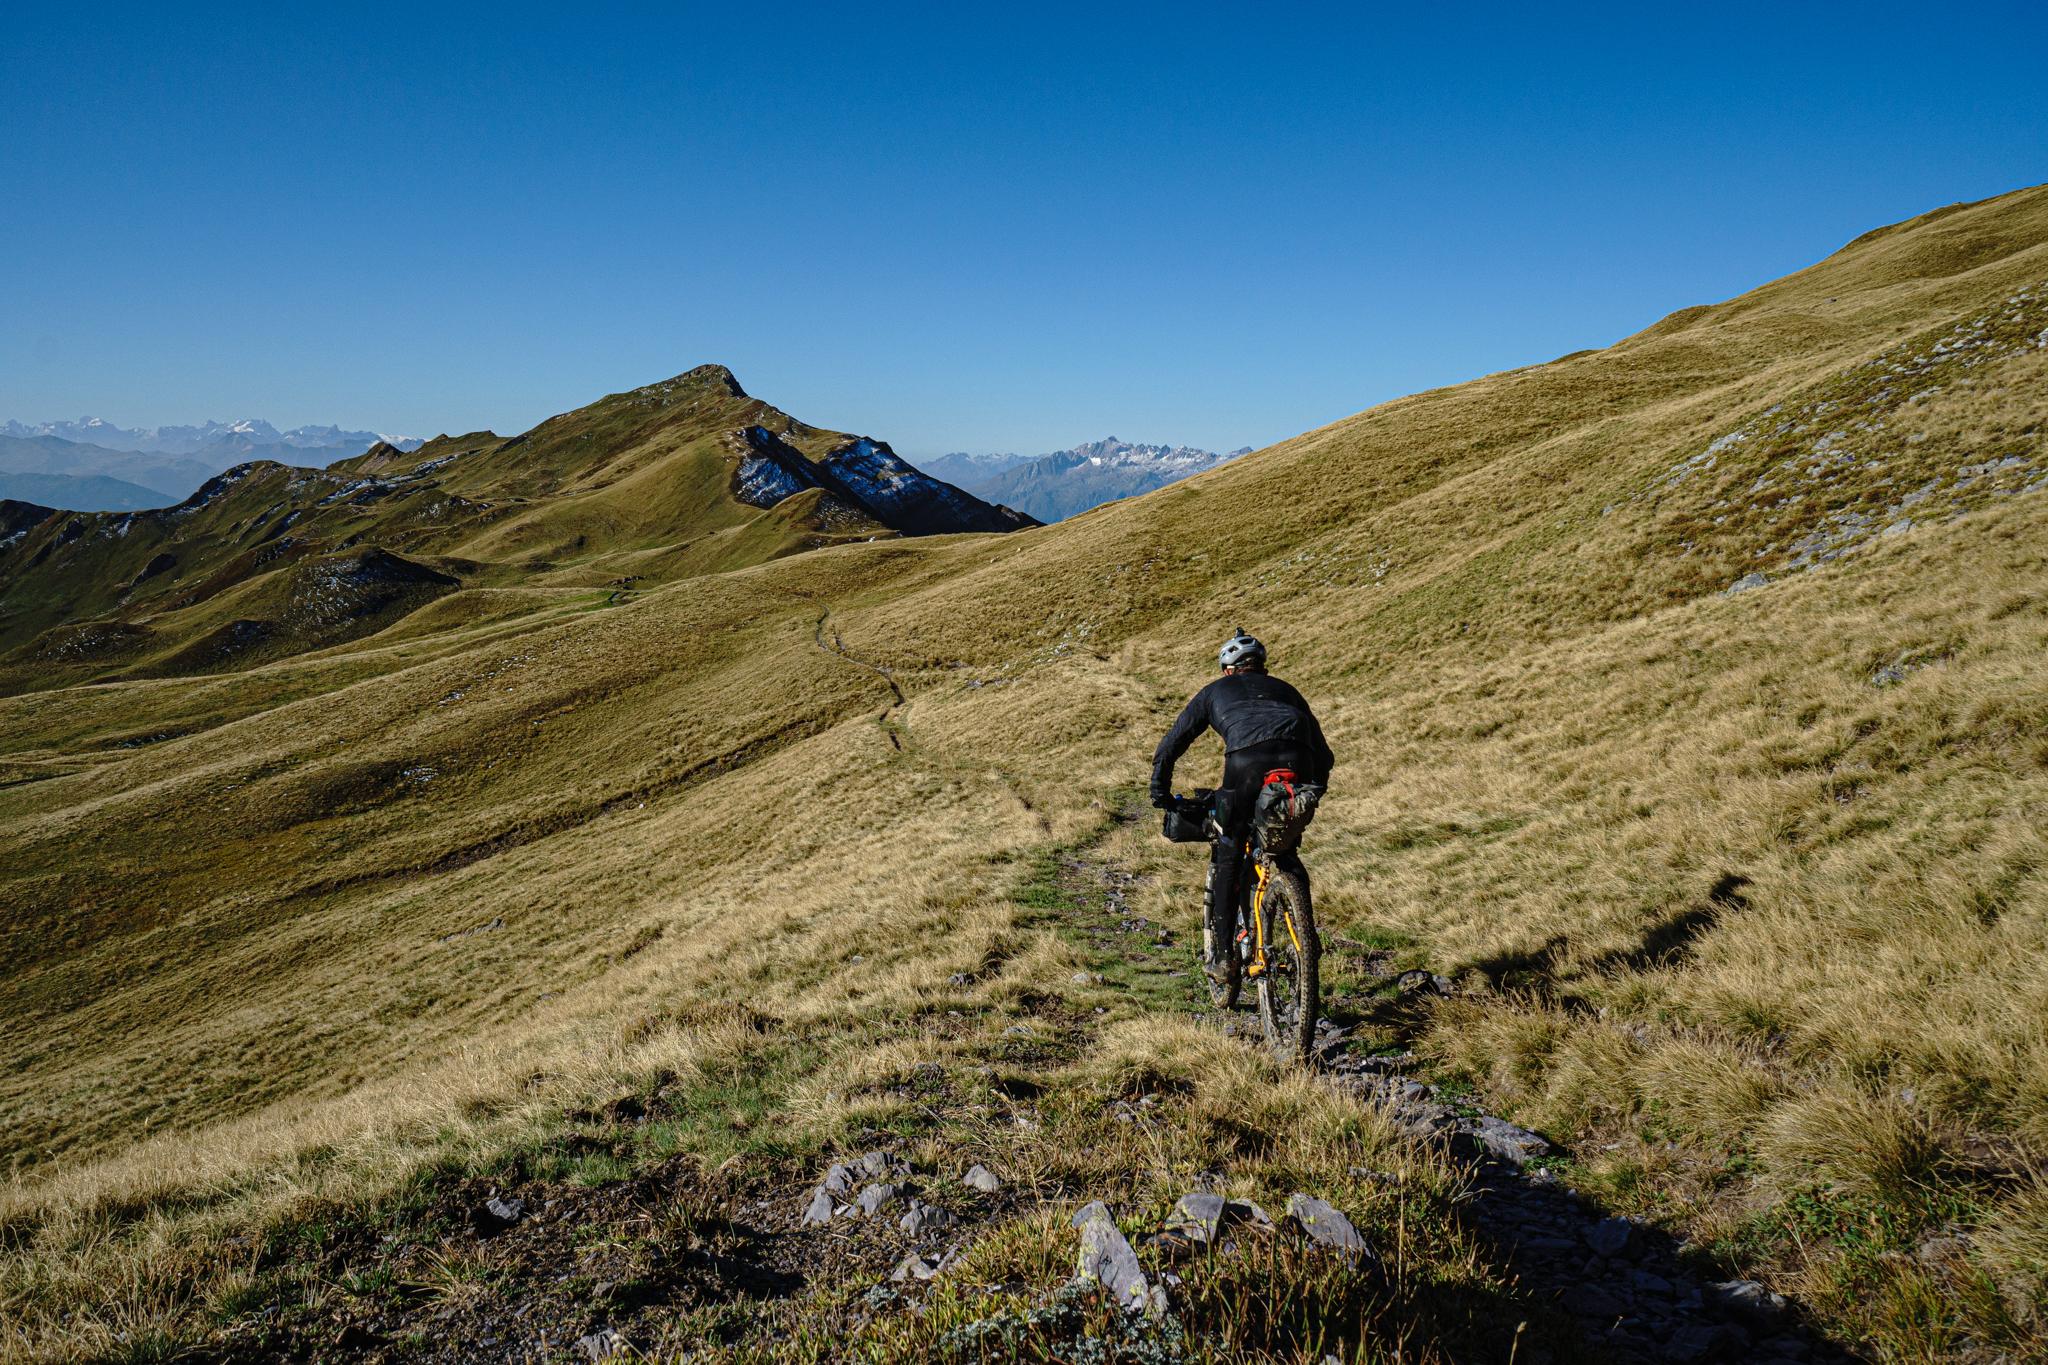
(951, 232)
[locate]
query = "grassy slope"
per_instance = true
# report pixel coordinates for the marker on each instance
(634, 487)
(1731, 902)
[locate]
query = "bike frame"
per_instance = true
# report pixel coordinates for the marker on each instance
(1257, 968)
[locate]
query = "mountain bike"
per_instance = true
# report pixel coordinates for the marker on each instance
(1272, 938)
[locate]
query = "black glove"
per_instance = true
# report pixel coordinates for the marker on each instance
(1162, 799)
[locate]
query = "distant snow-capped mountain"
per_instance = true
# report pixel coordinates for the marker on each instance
(1066, 482)
(102, 460)
(228, 438)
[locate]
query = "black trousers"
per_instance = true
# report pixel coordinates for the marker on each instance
(1244, 772)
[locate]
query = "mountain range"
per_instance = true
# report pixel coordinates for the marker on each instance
(1066, 482)
(93, 465)
(663, 481)
(247, 434)
(620, 889)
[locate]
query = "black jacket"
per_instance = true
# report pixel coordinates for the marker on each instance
(1245, 709)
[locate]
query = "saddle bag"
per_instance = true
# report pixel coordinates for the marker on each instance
(1283, 810)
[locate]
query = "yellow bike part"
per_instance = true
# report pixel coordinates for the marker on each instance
(1258, 963)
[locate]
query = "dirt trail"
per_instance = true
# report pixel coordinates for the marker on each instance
(837, 648)
(1639, 1293)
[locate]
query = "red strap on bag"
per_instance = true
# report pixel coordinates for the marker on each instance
(1284, 777)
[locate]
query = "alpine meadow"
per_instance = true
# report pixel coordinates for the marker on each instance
(458, 902)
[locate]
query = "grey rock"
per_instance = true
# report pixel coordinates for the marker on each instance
(1609, 1236)
(1095, 1208)
(917, 1266)
(505, 1210)
(1647, 1283)
(1324, 1224)
(1419, 982)
(1198, 1216)
(1506, 1141)
(924, 1218)
(1108, 1259)
(875, 1198)
(981, 1178)
(873, 1164)
(820, 1208)
(839, 1179)
(1745, 583)
(1748, 1300)
(602, 1344)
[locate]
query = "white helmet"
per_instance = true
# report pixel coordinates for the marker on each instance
(1240, 648)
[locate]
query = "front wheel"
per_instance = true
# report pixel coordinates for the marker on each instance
(1290, 997)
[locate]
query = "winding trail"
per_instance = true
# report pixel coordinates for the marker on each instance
(839, 650)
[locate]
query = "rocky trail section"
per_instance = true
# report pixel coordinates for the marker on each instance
(1636, 1292)
(1630, 1285)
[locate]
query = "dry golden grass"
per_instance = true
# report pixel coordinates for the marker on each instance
(1759, 875)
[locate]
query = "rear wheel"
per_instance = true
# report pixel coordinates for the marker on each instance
(1222, 963)
(1290, 988)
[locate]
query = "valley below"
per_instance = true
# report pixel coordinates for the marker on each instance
(466, 903)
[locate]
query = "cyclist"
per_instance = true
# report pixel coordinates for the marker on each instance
(1265, 726)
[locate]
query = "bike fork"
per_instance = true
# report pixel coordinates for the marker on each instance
(1257, 932)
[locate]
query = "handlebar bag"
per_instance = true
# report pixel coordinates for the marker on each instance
(1187, 822)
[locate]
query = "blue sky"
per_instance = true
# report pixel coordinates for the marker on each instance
(962, 227)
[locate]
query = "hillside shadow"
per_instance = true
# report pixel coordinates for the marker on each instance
(1632, 1289)
(1668, 942)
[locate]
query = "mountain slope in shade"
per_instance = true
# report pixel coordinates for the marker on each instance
(171, 475)
(80, 492)
(173, 460)
(1066, 482)
(660, 482)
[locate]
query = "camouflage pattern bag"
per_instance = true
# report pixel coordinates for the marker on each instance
(1283, 810)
